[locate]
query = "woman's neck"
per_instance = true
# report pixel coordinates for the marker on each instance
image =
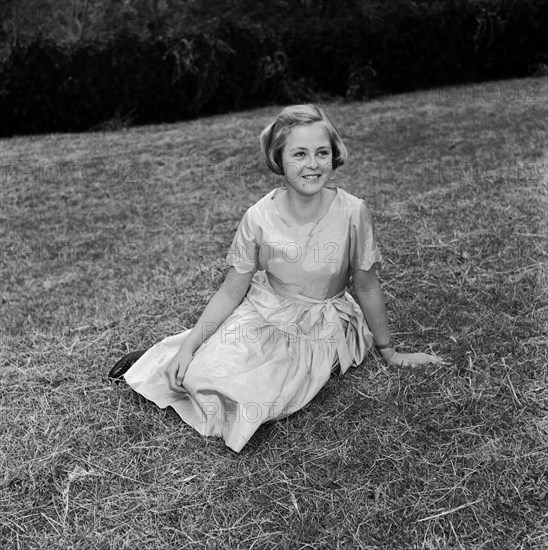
(306, 209)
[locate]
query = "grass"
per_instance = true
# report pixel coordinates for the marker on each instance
(111, 241)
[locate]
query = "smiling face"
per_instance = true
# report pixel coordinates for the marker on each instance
(307, 158)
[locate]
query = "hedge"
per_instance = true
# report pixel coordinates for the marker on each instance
(233, 62)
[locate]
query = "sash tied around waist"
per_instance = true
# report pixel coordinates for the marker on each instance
(300, 316)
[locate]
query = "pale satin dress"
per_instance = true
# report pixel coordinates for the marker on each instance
(296, 324)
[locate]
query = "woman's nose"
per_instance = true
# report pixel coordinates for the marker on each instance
(312, 162)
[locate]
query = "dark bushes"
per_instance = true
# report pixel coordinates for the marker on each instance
(356, 49)
(48, 87)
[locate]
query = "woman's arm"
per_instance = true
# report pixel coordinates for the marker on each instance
(370, 298)
(224, 302)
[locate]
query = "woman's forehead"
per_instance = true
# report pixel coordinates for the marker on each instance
(308, 134)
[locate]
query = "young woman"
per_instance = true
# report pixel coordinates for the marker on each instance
(282, 321)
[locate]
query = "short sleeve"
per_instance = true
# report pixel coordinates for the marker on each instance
(363, 244)
(243, 254)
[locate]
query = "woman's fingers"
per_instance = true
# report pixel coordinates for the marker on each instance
(414, 359)
(174, 380)
(171, 373)
(180, 376)
(436, 360)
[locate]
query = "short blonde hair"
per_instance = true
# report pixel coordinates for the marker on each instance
(272, 138)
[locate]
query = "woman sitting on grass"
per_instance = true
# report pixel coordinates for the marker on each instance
(282, 320)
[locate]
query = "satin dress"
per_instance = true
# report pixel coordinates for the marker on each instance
(296, 324)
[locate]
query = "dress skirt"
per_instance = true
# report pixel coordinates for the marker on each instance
(268, 359)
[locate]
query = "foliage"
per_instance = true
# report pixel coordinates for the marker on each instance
(152, 61)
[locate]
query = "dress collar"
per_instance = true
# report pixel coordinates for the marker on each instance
(279, 190)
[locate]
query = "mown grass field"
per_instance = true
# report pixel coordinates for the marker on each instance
(113, 240)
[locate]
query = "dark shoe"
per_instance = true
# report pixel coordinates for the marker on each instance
(124, 364)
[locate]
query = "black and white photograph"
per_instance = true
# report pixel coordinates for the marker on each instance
(273, 274)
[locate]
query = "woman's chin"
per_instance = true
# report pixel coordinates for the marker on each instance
(308, 186)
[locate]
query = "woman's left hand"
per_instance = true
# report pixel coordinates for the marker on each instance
(409, 359)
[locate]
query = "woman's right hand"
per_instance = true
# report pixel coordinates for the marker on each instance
(176, 370)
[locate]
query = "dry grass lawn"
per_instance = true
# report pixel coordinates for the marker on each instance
(111, 241)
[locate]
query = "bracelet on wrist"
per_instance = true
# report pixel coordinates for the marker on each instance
(388, 354)
(385, 346)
